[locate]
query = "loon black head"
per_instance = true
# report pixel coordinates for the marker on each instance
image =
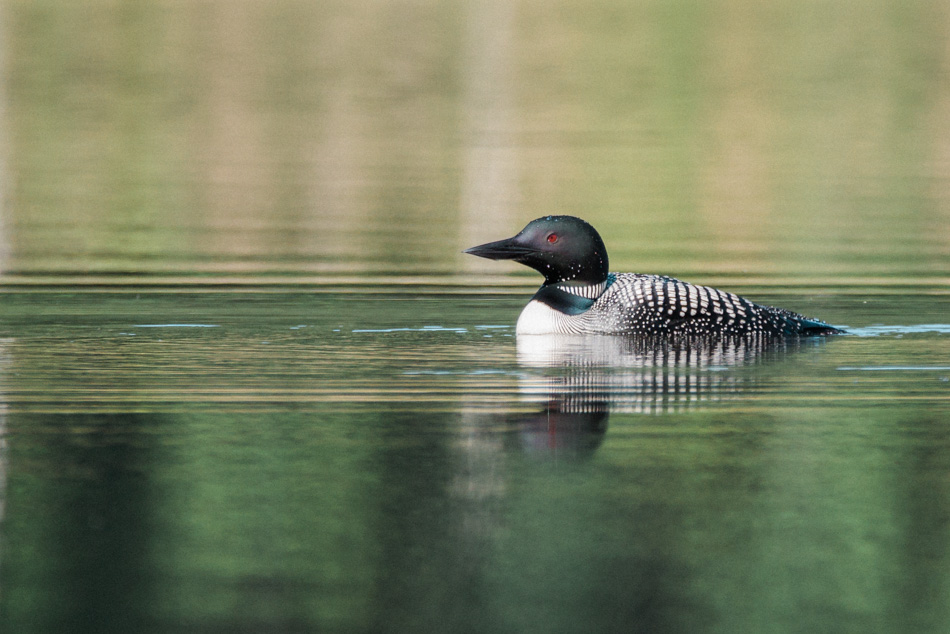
(561, 248)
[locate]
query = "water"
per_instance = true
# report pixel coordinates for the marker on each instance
(249, 382)
(394, 461)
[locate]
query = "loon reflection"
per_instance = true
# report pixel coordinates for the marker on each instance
(581, 380)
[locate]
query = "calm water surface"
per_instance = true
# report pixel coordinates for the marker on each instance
(249, 382)
(397, 460)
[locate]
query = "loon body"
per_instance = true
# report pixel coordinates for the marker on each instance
(581, 296)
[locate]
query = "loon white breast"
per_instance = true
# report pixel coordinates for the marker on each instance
(581, 296)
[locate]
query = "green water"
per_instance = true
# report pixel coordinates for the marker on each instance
(391, 461)
(249, 382)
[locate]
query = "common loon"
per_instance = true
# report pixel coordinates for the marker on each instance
(581, 296)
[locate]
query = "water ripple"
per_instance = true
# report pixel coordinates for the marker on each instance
(877, 331)
(422, 329)
(895, 368)
(176, 326)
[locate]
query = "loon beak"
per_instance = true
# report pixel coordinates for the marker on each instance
(508, 249)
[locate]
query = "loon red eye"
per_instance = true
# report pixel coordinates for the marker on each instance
(552, 238)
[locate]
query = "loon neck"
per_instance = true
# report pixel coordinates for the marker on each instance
(571, 298)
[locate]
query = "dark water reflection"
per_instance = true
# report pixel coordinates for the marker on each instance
(92, 505)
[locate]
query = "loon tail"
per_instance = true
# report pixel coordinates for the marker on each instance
(812, 327)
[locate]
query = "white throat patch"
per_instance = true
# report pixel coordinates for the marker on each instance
(538, 318)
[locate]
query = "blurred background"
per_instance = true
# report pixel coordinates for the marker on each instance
(291, 141)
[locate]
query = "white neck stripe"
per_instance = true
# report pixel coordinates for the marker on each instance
(592, 291)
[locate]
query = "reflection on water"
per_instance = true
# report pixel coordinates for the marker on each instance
(646, 375)
(585, 378)
(570, 435)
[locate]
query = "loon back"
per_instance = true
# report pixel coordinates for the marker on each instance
(579, 295)
(654, 305)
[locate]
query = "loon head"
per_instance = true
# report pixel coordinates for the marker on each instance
(561, 248)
